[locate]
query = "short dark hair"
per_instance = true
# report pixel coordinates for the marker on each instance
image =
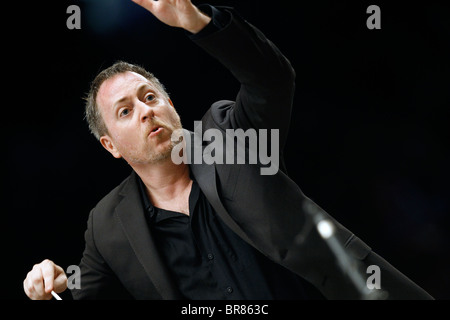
(93, 116)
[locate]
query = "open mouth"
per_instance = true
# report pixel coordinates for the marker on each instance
(155, 131)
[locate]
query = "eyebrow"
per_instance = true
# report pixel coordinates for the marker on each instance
(142, 87)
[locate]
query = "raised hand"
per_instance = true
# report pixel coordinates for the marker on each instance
(176, 13)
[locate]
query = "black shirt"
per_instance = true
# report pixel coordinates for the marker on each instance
(209, 261)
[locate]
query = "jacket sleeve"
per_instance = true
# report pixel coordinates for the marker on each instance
(97, 279)
(267, 78)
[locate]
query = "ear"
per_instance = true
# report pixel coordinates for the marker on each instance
(108, 144)
(171, 103)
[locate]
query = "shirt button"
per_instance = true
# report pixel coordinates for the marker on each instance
(210, 256)
(229, 290)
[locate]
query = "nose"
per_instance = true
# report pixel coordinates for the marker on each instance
(146, 112)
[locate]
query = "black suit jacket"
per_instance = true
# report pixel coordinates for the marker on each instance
(120, 259)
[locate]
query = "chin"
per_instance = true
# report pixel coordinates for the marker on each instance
(162, 155)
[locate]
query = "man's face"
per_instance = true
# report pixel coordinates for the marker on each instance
(140, 119)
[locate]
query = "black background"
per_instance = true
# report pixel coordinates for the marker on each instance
(368, 139)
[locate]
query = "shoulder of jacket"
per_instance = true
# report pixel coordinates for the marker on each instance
(111, 200)
(218, 115)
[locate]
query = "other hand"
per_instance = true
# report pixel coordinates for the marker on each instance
(42, 279)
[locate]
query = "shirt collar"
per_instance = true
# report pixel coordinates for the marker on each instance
(148, 206)
(145, 200)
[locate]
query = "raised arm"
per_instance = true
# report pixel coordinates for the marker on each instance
(267, 78)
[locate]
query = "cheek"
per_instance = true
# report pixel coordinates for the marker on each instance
(174, 118)
(128, 142)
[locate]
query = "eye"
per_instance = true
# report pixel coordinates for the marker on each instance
(124, 112)
(150, 97)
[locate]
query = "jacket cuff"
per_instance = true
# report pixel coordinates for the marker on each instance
(220, 18)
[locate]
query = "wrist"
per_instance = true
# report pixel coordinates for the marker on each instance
(201, 21)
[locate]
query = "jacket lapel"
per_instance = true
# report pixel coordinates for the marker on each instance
(130, 213)
(205, 175)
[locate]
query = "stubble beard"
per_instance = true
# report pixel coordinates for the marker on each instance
(163, 155)
(157, 157)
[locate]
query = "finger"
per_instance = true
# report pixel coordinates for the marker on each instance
(27, 287)
(36, 282)
(48, 273)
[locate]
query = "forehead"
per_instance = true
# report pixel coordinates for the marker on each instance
(120, 86)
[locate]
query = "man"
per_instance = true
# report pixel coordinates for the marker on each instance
(205, 231)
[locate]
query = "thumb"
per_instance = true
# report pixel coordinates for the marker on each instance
(60, 282)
